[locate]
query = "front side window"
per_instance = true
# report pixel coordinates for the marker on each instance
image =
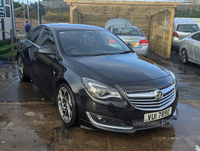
(188, 28)
(34, 35)
(81, 43)
(47, 39)
(196, 36)
(127, 31)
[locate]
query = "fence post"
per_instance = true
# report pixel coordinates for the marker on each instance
(157, 33)
(172, 11)
(3, 28)
(12, 44)
(71, 13)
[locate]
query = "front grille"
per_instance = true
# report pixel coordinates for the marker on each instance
(146, 100)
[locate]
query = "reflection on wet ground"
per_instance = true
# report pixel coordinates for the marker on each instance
(38, 126)
(192, 67)
(30, 121)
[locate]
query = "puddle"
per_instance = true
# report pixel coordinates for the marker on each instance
(160, 62)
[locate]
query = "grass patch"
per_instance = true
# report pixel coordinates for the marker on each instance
(9, 54)
(19, 37)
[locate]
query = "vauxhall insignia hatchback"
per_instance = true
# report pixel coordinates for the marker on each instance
(96, 80)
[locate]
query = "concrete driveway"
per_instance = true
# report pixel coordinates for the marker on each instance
(30, 121)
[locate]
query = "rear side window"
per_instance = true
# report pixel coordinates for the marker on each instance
(34, 35)
(188, 28)
(109, 28)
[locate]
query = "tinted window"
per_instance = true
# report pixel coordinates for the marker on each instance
(47, 39)
(78, 43)
(187, 28)
(127, 31)
(34, 35)
(196, 36)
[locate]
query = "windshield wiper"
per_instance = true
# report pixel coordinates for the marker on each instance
(103, 54)
(125, 52)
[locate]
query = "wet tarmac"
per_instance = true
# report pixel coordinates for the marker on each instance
(30, 121)
(176, 59)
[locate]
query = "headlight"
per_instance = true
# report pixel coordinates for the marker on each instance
(173, 76)
(100, 90)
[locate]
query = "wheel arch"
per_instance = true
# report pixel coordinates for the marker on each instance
(58, 83)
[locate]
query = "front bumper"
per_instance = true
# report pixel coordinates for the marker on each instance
(176, 42)
(144, 50)
(122, 111)
(129, 129)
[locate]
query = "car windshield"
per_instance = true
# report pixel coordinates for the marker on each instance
(188, 28)
(83, 43)
(127, 31)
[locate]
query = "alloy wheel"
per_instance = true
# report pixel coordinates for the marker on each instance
(184, 56)
(65, 105)
(20, 67)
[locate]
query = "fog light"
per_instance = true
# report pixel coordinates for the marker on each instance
(101, 119)
(106, 121)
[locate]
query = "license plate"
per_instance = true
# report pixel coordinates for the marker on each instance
(134, 44)
(157, 115)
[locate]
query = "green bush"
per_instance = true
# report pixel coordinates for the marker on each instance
(2, 43)
(182, 13)
(5, 49)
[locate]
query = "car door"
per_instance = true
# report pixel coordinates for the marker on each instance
(47, 65)
(31, 50)
(196, 47)
(190, 41)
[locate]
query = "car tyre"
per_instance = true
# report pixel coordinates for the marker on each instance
(66, 105)
(184, 56)
(21, 69)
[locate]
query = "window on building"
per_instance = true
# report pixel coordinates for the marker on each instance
(7, 11)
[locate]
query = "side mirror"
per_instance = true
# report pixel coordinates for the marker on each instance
(46, 50)
(130, 45)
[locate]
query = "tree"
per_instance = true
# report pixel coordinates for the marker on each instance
(193, 4)
(16, 5)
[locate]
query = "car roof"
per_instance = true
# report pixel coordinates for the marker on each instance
(67, 26)
(183, 21)
(117, 21)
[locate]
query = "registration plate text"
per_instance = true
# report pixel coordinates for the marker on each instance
(157, 115)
